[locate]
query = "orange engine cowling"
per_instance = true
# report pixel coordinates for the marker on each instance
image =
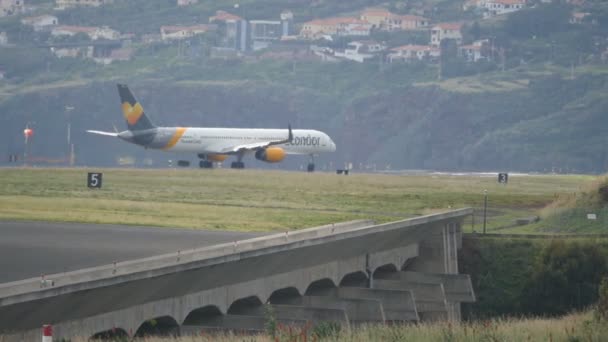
(217, 157)
(270, 154)
(213, 157)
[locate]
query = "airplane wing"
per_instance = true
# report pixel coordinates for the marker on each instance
(254, 146)
(109, 134)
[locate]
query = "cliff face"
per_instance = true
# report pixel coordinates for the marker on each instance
(553, 124)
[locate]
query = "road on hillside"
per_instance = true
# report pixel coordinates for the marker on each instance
(30, 249)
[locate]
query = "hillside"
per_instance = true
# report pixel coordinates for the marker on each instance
(570, 212)
(535, 104)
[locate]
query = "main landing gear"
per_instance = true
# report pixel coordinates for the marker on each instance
(205, 163)
(238, 164)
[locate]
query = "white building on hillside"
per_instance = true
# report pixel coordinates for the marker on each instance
(491, 8)
(500, 7)
(337, 26)
(443, 31)
(383, 20)
(94, 33)
(41, 22)
(359, 51)
(186, 2)
(63, 4)
(11, 7)
(477, 51)
(181, 32)
(414, 52)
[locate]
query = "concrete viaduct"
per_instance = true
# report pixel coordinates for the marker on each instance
(348, 273)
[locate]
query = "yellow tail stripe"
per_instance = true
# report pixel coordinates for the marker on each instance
(175, 138)
(132, 113)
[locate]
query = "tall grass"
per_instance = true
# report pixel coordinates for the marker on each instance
(573, 327)
(568, 212)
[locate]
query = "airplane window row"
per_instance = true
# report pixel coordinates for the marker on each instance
(246, 138)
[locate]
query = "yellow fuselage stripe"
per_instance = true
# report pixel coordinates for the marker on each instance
(175, 138)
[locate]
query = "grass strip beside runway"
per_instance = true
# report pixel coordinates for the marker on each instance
(262, 200)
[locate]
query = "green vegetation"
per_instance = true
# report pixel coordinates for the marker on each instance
(602, 305)
(573, 327)
(536, 104)
(568, 213)
(264, 200)
(566, 276)
(518, 276)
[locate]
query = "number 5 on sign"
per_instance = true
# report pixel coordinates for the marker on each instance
(94, 180)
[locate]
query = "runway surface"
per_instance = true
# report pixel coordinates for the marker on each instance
(29, 249)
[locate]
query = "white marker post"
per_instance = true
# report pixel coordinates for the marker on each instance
(47, 333)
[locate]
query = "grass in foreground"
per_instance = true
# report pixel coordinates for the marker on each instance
(263, 200)
(574, 327)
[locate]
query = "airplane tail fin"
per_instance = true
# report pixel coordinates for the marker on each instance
(132, 110)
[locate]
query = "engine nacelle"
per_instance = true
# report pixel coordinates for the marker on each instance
(270, 154)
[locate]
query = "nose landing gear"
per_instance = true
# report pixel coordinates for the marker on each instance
(311, 164)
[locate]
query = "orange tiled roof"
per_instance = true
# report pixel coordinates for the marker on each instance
(449, 26)
(336, 21)
(223, 16)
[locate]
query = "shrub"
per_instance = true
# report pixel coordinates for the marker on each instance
(602, 305)
(326, 330)
(565, 277)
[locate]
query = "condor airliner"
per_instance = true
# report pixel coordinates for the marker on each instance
(216, 144)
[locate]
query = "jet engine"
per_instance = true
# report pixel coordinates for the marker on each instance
(270, 154)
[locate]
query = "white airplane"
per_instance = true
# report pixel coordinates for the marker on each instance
(216, 144)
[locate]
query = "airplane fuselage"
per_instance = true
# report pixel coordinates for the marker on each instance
(209, 140)
(216, 144)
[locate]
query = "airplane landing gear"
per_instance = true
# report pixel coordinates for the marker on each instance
(237, 165)
(311, 164)
(205, 164)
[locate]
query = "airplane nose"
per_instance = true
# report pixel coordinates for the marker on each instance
(332, 147)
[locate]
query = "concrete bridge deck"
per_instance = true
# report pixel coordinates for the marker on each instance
(399, 271)
(51, 247)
